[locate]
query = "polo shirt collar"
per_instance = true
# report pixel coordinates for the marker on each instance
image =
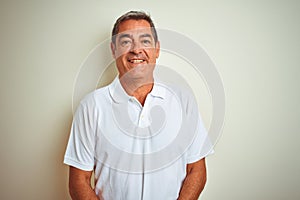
(119, 95)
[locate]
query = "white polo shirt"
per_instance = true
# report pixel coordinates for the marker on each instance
(137, 152)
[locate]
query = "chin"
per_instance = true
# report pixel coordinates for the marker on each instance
(140, 72)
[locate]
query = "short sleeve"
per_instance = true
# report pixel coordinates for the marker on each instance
(201, 145)
(81, 145)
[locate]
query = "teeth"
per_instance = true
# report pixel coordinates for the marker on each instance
(136, 61)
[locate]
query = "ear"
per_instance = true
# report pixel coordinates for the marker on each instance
(157, 47)
(113, 49)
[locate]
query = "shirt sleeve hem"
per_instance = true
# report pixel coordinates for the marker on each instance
(73, 163)
(196, 158)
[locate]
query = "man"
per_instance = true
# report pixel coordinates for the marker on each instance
(111, 136)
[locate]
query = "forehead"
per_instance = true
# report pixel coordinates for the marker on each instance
(135, 26)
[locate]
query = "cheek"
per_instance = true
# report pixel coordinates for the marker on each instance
(121, 60)
(120, 53)
(150, 52)
(153, 56)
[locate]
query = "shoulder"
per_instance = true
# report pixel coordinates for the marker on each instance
(95, 98)
(183, 94)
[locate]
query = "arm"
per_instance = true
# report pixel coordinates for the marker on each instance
(194, 181)
(80, 185)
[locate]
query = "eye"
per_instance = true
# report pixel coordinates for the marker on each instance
(125, 43)
(146, 42)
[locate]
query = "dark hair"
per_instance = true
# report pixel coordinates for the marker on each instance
(136, 15)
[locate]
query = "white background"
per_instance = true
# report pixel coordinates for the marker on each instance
(255, 45)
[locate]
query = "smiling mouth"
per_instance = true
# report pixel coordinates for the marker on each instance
(136, 61)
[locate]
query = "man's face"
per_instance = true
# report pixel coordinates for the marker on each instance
(135, 50)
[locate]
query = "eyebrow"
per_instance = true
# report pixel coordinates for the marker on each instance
(146, 35)
(125, 35)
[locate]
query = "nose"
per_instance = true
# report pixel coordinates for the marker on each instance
(136, 48)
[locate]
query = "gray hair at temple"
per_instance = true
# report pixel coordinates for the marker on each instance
(135, 15)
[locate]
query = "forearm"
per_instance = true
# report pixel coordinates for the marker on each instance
(80, 185)
(192, 187)
(194, 181)
(82, 192)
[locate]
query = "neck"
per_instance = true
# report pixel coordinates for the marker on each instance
(139, 88)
